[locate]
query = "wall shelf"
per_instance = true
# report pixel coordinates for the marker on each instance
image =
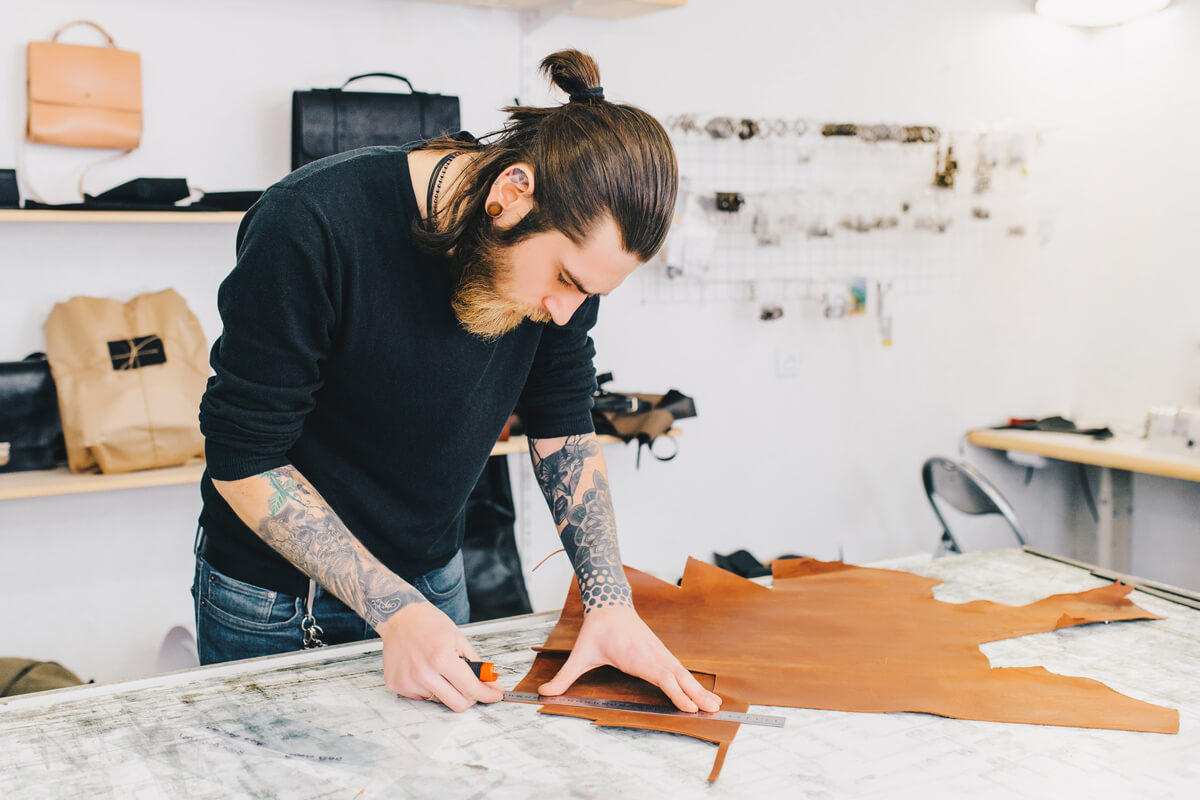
(52, 215)
(51, 482)
(601, 9)
(45, 483)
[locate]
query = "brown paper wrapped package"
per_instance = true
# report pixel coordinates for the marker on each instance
(835, 636)
(116, 414)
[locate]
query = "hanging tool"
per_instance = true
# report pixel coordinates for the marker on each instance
(883, 310)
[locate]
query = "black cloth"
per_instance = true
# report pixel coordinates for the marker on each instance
(341, 355)
(156, 194)
(1056, 425)
(495, 583)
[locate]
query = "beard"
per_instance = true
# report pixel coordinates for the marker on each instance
(479, 301)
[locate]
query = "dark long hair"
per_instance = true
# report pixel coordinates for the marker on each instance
(591, 158)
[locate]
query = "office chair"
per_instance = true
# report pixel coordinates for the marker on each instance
(964, 488)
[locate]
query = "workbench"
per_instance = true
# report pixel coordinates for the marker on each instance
(320, 724)
(1118, 458)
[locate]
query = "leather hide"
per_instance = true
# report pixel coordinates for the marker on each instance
(834, 636)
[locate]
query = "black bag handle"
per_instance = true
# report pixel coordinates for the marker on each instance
(381, 75)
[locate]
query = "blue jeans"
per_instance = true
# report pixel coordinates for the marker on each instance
(236, 620)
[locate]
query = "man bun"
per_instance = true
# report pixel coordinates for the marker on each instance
(593, 160)
(573, 71)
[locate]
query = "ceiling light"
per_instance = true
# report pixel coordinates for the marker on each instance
(1097, 13)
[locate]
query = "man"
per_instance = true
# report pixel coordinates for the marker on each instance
(388, 310)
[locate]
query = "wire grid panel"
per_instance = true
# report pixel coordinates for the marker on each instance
(820, 210)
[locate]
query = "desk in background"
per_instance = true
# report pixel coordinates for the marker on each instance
(1118, 458)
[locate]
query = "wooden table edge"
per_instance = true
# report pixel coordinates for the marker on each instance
(1097, 453)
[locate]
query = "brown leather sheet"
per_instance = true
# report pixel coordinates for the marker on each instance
(835, 636)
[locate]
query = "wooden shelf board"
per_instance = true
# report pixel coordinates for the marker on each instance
(602, 9)
(501, 5)
(48, 483)
(621, 9)
(51, 215)
(1120, 452)
(45, 483)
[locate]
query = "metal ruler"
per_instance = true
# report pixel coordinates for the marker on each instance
(644, 708)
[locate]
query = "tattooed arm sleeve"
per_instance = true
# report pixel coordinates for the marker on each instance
(287, 513)
(571, 473)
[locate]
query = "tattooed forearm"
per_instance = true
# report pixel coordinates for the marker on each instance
(585, 518)
(559, 472)
(303, 528)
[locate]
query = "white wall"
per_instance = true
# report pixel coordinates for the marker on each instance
(96, 580)
(1093, 322)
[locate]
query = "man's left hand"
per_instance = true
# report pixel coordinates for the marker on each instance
(618, 637)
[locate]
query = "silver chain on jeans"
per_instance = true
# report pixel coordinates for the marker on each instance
(312, 631)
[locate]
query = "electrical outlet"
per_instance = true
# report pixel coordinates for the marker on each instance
(787, 362)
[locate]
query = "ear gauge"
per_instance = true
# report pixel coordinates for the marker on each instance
(494, 209)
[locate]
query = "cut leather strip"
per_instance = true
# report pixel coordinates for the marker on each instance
(611, 684)
(835, 636)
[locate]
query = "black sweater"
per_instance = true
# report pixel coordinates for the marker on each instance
(341, 355)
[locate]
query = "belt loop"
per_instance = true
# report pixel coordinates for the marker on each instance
(201, 540)
(312, 631)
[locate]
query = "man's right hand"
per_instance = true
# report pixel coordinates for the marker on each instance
(421, 645)
(422, 659)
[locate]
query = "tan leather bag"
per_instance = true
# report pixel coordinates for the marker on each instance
(82, 96)
(130, 377)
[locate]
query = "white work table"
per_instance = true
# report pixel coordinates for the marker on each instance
(320, 724)
(1118, 458)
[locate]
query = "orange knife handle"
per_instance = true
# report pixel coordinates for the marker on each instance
(484, 670)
